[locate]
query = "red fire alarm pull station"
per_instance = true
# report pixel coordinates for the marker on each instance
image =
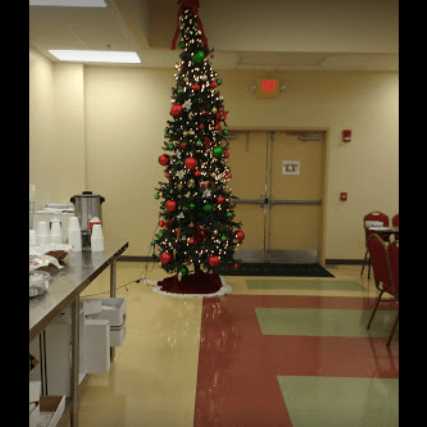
(346, 135)
(343, 197)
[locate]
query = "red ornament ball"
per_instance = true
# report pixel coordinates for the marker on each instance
(214, 261)
(240, 235)
(165, 257)
(226, 154)
(201, 126)
(176, 110)
(183, 145)
(220, 199)
(162, 223)
(190, 162)
(213, 84)
(164, 159)
(170, 205)
(195, 86)
(197, 173)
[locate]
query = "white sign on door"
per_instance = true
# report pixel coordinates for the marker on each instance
(291, 167)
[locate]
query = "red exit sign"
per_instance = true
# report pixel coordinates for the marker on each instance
(268, 88)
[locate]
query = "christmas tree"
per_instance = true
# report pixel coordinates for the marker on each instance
(197, 221)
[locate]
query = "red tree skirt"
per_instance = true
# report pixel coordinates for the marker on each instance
(197, 283)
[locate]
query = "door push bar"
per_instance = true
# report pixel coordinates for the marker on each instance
(296, 202)
(267, 201)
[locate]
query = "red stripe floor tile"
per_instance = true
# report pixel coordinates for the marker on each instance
(238, 366)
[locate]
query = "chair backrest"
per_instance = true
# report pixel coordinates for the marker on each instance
(393, 255)
(395, 221)
(380, 262)
(374, 216)
(377, 216)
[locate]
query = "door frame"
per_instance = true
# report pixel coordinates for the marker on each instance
(326, 130)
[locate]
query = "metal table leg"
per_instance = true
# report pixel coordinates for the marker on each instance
(75, 349)
(43, 367)
(113, 292)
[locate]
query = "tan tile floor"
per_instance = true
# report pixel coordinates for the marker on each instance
(152, 382)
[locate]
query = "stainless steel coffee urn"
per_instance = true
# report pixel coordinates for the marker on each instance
(87, 206)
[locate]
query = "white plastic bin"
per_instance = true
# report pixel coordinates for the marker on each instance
(113, 310)
(97, 346)
(117, 335)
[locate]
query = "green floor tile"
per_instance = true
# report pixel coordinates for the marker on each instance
(303, 285)
(340, 402)
(324, 322)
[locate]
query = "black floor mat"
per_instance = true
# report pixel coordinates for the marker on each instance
(276, 269)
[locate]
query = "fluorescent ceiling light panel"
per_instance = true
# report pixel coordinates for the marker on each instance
(69, 3)
(113, 56)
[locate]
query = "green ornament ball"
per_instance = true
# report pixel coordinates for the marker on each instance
(225, 131)
(198, 57)
(181, 44)
(218, 151)
(208, 208)
(224, 237)
(199, 143)
(183, 270)
(229, 214)
(219, 81)
(192, 206)
(170, 147)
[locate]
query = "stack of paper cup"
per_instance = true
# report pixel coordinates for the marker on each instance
(97, 238)
(74, 234)
(55, 232)
(33, 238)
(43, 233)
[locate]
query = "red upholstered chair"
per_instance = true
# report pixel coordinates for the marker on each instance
(371, 216)
(384, 279)
(395, 221)
(393, 255)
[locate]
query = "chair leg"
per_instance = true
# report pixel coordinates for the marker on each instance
(375, 309)
(369, 268)
(393, 330)
(365, 260)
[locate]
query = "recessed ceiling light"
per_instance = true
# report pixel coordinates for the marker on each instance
(69, 3)
(96, 56)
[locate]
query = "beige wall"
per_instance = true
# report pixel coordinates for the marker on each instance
(356, 26)
(125, 115)
(57, 155)
(127, 111)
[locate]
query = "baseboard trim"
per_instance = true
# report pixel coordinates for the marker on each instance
(332, 261)
(133, 258)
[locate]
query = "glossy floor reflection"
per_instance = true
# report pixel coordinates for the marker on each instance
(219, 362)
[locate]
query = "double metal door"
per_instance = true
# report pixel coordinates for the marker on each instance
(278, 179)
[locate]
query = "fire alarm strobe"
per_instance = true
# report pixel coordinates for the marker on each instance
(343, 196)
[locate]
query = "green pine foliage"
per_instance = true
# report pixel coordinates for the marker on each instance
(197, 220)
